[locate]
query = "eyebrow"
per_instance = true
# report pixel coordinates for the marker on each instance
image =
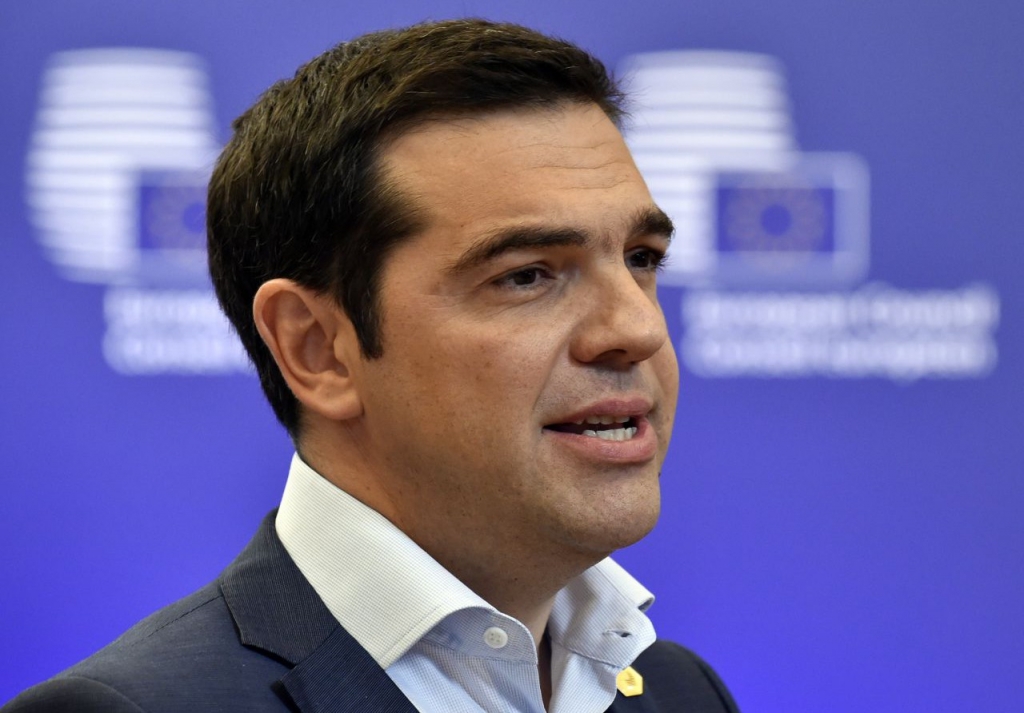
(646, 221)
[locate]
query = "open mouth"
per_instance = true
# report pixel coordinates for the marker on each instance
(608, 428)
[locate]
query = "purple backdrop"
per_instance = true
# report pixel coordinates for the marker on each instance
(842, 527)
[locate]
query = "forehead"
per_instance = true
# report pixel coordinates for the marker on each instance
(564, 164)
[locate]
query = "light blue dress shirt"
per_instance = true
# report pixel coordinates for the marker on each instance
(443, 646)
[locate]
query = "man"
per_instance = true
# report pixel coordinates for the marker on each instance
(437, 250)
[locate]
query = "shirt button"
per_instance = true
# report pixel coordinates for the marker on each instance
(495, 637)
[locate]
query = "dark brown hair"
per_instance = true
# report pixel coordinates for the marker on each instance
(297, 193)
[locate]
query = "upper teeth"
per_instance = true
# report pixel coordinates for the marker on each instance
(613, 434)
(602, 420)
(608, 434)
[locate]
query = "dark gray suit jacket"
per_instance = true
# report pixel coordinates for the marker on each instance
(260, 639)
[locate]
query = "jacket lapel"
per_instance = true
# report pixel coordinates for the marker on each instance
(341, 676)
(277, 611)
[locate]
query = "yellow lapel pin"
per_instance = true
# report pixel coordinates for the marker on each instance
(629, 682)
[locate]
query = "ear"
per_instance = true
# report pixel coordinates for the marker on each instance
(314, 344)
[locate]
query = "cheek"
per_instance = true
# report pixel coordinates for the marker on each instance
(497, 365)
(451, 368)
(666, 369)
(668, 372)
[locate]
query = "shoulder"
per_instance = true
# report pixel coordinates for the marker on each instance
(72, 694)
(176, 659)
(675, 678)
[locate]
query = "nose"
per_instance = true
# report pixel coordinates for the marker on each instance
(621, 322)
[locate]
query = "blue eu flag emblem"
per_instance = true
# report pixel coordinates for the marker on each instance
(805, 227)
(172, 227)
(172, 214)
(774, 220)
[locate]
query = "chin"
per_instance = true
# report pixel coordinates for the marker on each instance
(623, 534)
(602, 531)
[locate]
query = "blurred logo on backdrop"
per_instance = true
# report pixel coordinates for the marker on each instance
(120, 155)
(772, 243)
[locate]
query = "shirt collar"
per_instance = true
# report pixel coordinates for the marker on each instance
(601, 615)
(388, 593)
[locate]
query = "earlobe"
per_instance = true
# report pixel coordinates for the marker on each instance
(313, 343)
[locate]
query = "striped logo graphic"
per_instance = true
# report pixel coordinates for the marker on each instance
(116, 176)
(713, 135)
(112, 123)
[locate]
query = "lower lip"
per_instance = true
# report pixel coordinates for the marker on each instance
(642, 447)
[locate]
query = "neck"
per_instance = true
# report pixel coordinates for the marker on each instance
(536, 620)
(517, 577)
(544, 668)
(518, 574)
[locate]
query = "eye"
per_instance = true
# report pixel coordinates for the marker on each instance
(645, 259)
(523, 278)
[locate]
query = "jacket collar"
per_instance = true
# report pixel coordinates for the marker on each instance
(277, 611)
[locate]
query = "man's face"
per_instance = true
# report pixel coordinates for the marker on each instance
(525, 395)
